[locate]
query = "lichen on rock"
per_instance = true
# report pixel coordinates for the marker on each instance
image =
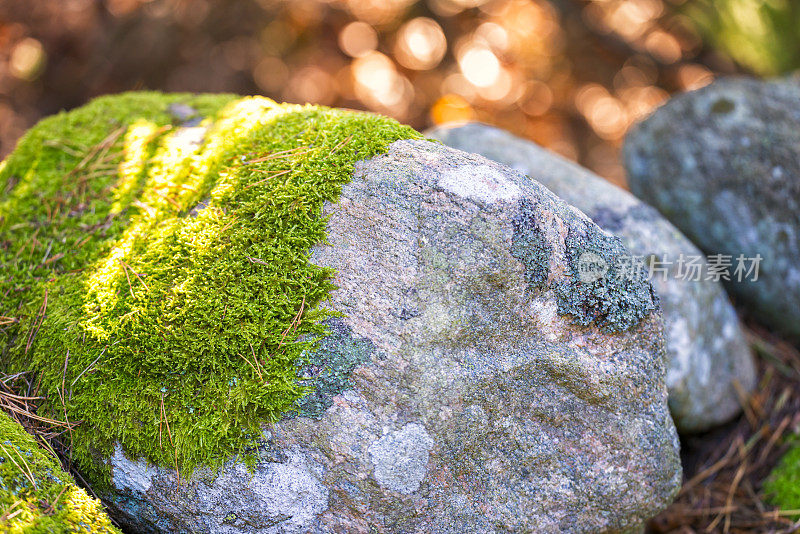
(326, 369)
(156, 273)
(709, 361)
(617, 300)
(400, 458)
(36, 495)
(614, 300)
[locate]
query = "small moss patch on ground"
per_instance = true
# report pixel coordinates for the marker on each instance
(36, 495)
(156, 274)
(782, 487)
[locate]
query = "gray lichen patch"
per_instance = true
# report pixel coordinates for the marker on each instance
(530, 246)
(401, 458)
(130, 476)
(617, 300)
(282, 493)
(287, 495)
(327, 370)
(614, 298)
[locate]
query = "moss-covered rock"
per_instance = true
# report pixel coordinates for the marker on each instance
(474, 403)
(783, 484)
(36, 495)
(155, 264)
(393, 333)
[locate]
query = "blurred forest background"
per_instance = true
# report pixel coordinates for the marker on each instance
(569, 74)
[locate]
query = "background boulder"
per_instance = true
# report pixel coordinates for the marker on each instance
(722, 164)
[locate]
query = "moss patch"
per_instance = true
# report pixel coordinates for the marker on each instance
(157, 277)
(782, 487)
(36, 495)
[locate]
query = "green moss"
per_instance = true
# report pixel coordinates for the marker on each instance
(36, 495)
(782, 487)
(157, 277)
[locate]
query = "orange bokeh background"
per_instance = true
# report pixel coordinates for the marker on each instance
(571, 75)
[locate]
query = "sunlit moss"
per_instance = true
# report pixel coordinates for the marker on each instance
(158, 274)
(137, 150)
(36, 495)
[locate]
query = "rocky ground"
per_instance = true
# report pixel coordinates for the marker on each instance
(724, 469)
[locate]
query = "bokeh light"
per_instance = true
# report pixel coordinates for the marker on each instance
(479, 65)
(27, 59)
(379, 85)
(693, 77)
(358, 39)
(572, 75)
(312, 84)
(421, 44)
(451, 108)
(377, 12)
(271, 74)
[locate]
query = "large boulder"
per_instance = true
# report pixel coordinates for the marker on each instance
(340, 326)
(723, 164)
(707, 355)
(36, 495)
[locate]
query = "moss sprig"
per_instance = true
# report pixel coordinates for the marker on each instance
(36, 495)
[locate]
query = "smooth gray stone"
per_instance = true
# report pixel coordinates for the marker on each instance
(706, 349)
(723, 164)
